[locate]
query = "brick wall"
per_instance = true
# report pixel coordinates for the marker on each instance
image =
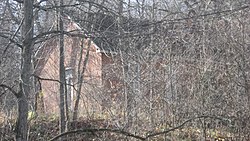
(92, 76)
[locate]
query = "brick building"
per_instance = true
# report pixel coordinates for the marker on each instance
(76, 45)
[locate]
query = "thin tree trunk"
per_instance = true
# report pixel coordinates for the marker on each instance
(80, 78)
(130, 98)
(61, 72)
(25, 83)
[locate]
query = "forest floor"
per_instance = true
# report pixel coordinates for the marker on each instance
(43, 129)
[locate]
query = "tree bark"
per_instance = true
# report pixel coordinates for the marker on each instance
(25, 83)
(61, 72)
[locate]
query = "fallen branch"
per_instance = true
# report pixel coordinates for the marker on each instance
(118, 131)
(180, 126)
(99, 130)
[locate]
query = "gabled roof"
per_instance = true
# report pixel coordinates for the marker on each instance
(104, 38)
(105, 31)
(43, 52)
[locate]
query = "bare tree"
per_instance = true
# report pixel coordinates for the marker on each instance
(25, 82)
(169, 61)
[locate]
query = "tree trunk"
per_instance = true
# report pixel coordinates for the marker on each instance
(22, 124)
(61, 72)
(25, 83)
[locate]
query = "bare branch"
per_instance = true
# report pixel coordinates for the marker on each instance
(180, 126)
(53, 80)
(11, 40)
(13, 36)
(10, 89)
(119, 131)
